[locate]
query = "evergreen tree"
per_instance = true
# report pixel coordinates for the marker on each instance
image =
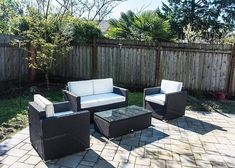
(211, 18)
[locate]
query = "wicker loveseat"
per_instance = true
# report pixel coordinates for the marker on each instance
(95, 95)
(55, 131)
(167, 102)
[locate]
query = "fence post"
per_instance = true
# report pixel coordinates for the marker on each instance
(231, 84)
(94, 58)
(158, 64)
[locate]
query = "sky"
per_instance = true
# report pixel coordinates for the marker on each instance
(136, 5)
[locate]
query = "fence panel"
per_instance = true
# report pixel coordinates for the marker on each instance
(135, 64)
(127, 65)
(75, 65)
(198, 66)
(12, 63)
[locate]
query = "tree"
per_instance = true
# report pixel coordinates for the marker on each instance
(48, 36)
(190, 35)
(146, 26)
(227, 11)
(202, 15)
(8, 10)
(88, 9)
(52, 35)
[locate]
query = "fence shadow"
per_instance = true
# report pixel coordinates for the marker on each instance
(195, 125)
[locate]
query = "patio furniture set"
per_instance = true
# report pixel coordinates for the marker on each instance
(60, 129)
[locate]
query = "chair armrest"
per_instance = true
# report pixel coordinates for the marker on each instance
(176, 99)
(152, 90)
(36, 110)
(69, 115)
(74, 100)
(61, 106)
(120, 91)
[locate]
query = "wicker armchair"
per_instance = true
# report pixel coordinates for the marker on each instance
(59, 134)
(167, 102)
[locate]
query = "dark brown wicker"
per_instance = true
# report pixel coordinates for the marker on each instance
(55, 137)
(76, 105)
(174, 107)
(112, 129)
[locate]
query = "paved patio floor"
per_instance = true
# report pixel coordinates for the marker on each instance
(199, 139)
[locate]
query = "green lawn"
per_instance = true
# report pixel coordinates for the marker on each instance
(13, 117)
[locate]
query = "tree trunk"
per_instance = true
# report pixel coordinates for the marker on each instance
(47, 80)
(32, 60)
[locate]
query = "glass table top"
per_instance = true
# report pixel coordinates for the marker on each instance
(122, 113)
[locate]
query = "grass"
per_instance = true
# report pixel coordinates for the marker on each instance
(13, 117)
(13, 112)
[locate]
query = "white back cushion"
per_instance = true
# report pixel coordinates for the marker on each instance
(103, 86)
(45, 104)
(168, 86)
(81, 88)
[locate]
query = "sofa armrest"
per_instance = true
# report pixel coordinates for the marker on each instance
(152, 90)
(66, 87)
(176, 100)
(74, 100)
(61, 106)
(120, 91)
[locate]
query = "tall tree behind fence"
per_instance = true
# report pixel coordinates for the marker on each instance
(13, 64)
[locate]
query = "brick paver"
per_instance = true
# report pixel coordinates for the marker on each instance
(199, 139)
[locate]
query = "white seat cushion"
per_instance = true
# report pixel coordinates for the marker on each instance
(159, 98)
(63, 113)
(103, 86)
(45, 104)
(101, 99)
(168, 86)
(81, 88)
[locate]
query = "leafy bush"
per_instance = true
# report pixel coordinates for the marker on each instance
(79, 30)
(84, 30)
(230, 39)
(146, 26)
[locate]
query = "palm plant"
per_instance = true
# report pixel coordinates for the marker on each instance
(146, 26)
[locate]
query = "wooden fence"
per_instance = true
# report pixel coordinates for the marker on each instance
(198, 66)
(13, 64)
(136, 64)
(127, 63)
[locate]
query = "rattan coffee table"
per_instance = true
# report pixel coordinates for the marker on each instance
(121, 121)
